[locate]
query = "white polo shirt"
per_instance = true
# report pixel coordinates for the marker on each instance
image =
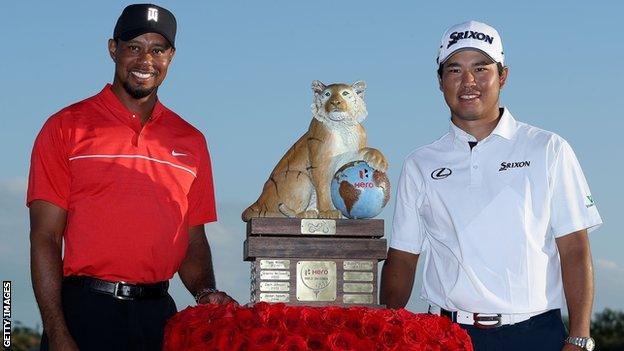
(488, 217)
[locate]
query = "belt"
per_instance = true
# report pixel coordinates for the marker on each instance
(121, 290)
(482, 320)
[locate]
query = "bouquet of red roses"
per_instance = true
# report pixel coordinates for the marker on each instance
(277, 327)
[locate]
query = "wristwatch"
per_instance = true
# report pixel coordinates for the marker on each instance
(586, 343)
(203, 292)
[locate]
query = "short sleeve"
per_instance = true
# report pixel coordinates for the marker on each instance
(201, 198)
(572, 204)
(407, 227)
(49, 178)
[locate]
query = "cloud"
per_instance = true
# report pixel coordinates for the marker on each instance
(609, 285)
(15, 185)
(608, 265)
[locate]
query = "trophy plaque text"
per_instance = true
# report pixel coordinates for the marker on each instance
(316, 262)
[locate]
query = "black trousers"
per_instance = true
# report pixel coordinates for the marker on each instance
(98, 321)
(544, 332)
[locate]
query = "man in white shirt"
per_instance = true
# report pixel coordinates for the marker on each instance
(502, 209)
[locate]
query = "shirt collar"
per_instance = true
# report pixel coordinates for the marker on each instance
(114, 104)
(507, 125)
(506, 128)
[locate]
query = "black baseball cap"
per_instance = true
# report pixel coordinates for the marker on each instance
(139, 19)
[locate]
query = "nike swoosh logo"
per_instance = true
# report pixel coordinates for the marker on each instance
(173, 153)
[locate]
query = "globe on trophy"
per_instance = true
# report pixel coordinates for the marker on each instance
(360, 191)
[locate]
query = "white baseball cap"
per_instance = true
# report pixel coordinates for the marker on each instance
(471, 35)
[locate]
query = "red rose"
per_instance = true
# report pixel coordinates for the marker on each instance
(294, 343)
(391, 336)
(175, 336)
(261, 339)
(457, 338)
(239, 343)
(342, 341)
(202, 334)
(404, 315)
(292, 319)
(366, 344)
(414, 333)
(246, 318)
(260, 307)
(353, 319)
(316, 341)
(386, 314)
(372, 325)
(334, 317)
(312, 318)
(265, 327)
(273, 317)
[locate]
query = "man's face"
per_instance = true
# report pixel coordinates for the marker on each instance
(471, 85)
(141, 63)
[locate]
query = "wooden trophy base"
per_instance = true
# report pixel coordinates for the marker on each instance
(315, 262)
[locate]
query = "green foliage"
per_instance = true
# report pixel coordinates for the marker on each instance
(24, 338)
(607, 328)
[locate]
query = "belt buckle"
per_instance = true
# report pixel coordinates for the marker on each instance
(478, 319)
(116, 292)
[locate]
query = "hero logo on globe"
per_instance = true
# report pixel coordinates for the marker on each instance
(363, 185)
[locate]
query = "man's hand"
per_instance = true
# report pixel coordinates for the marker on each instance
(570, 347)
(218, 297)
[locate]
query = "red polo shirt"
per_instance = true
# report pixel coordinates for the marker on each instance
(130, 191)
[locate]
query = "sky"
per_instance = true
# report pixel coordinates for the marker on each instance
(242, 75)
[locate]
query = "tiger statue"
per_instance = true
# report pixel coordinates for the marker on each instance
(299, 185)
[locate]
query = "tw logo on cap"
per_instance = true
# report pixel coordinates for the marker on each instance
(469, 34)
(152, 14)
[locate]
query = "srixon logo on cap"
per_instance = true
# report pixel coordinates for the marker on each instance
(469, 34)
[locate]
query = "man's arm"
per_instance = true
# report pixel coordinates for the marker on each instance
(578, 280)
(196, 270)
(397, 278)
(47, 224)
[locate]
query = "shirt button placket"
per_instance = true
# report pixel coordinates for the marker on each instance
(475, 172)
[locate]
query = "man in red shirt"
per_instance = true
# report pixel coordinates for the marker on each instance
(126, 185)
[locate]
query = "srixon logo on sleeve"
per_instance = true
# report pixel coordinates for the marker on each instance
(469, 34)
(506, 165)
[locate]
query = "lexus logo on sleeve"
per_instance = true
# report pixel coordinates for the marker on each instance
(441, 173)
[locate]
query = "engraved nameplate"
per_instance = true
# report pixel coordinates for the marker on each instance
(274, 286)
(275, 264)
(357, 287)
(274, 275)
(316, 281)
(352, 298)
(318, 226)
(274, 297)
(358, 276)
(357, 265)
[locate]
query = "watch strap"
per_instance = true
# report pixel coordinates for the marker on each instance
(579, 341)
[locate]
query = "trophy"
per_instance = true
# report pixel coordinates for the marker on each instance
(302, 251)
